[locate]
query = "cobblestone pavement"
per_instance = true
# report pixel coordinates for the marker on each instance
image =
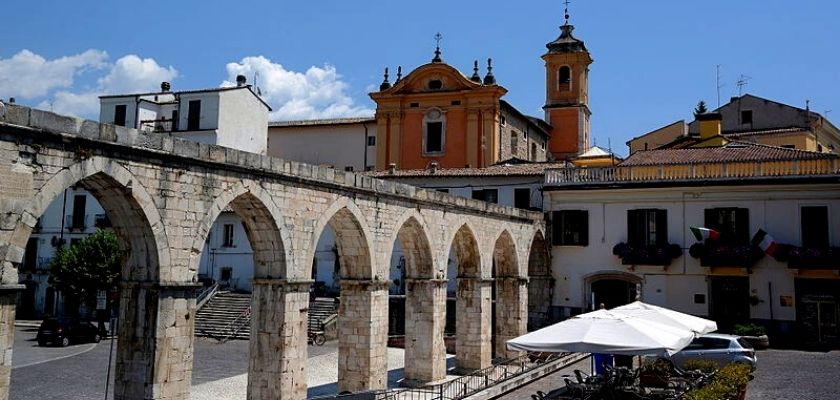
(800, 375)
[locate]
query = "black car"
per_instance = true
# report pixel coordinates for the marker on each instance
(63, 331)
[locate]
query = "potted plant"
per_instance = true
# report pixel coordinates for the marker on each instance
(753, 333)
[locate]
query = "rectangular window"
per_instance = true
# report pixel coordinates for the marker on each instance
(227, 274)
(503, 121)
(815, 227)
(227, 239)
(732, 223)
(371, 140)
(514, 143)
(570, 228)
(79, 204)
(444, 190)
(193, 115)
(348, 168)
(488, 195)
(119, 114)
(746, 117)
(30, 256)
(434, 137)
(647, 227)
(174, 120)
(522, 198)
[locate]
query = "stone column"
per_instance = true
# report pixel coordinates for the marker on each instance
(511, 312)
(473, 324)
(155, 347)
(8, 297)
(425, 319)
(277, 362)
(363, 335)
(539, 300)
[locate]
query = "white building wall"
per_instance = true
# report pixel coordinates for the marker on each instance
(239, 258)
(242, 121)
(340, 146)
(465, 186)
(775, 209)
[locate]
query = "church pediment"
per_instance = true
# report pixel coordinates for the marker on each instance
(434, 77)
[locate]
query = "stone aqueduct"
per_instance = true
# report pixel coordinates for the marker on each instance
(163, 194)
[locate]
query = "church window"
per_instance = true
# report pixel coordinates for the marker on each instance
(533, 152)
(514, 143)
(746, 117)
(435, 84)
(434, 131)
(565, 78)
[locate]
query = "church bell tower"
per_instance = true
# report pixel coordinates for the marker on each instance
(567, 93)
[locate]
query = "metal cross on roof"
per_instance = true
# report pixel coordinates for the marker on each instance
(438, 38)
(566, 12)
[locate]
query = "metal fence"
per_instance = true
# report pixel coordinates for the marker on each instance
(463, 386)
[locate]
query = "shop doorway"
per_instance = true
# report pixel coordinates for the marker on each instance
(612, 293)
(818, 312)
(730, 301)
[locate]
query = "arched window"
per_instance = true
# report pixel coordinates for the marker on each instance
(434, 131)
(564, 78)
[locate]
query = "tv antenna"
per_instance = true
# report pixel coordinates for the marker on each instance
(743, 81)
(719, 85)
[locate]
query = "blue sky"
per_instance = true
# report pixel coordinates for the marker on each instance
(654, 59)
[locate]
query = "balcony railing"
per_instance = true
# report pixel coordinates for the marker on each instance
(687, 171)
(158, 125)
(72, 223)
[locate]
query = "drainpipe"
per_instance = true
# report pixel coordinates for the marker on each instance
(364, 157)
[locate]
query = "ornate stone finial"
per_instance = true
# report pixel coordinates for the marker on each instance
(385, 84)
(489, 79)
(475, 76)
(437, 58)
(566, 11)
(399, 73)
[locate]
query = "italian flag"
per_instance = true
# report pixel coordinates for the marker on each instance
(704, 233)
(765, 242)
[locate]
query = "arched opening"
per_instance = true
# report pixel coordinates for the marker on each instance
(71, 206)
(473, 304)
(362, 323)
(422, 306)
(540, 284)
(509, 311)
(611, 289)
(564, 78)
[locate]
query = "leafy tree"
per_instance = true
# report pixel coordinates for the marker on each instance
(90, 265)
(701, 108)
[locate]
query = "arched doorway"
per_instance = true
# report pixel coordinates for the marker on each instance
(612, 290)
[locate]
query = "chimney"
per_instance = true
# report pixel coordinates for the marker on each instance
(709, 125)
(392, 169)
(240, 80)
(165, 87)
(433, 166)
(733, 99)
(11, 100)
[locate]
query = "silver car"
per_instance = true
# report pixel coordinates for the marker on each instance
(720, 348)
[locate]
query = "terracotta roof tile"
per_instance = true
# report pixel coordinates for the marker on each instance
(733, 152)
(524, 169)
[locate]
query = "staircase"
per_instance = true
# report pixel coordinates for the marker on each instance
(226, 316)
(322, 314)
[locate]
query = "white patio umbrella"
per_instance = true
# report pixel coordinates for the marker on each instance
(604, 331)
(666, 316)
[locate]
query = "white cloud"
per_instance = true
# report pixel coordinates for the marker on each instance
(28, 75)
(316, 93)
(129, 74)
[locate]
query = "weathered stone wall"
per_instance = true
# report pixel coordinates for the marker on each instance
(163, 194)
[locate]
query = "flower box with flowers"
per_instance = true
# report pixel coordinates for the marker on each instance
(647, 255)
(808, 257)
(712, 254)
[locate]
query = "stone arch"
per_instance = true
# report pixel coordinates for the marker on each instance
(352, 236)
(133, 213)
(540, 283)
(413, 233)
(632, 282)
(538, 257)
(505, 259)
(264, 225)
(465, 246)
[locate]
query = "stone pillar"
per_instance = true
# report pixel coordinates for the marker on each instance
(425, 319)
(8, 297)
(473, 324)
(277, 362)
(363, 335)
(539, 301)
(511, 312)
(155, 346)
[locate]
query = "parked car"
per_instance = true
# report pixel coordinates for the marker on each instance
(719, 348)
(63, 331)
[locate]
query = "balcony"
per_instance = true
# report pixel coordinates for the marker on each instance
(713, 254)
(827, 258)
(158, 125)
(690, 171)
(661, 255)
(76, 223)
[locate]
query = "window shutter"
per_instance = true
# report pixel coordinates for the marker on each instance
(583, 220)
(742, 225)
(661, 227)
(556, 228)
(632, 227)
(711, 218)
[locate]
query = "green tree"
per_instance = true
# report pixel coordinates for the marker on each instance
(90, 265)
(701, 108)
